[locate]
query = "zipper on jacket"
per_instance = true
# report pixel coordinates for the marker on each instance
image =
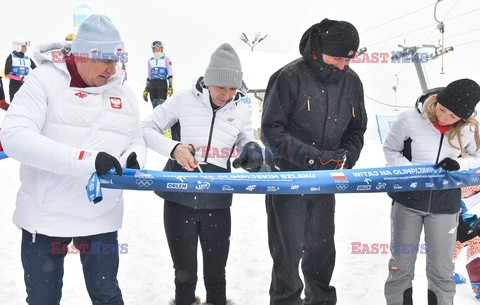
(436, 162)
(34, 235)
(210, 134)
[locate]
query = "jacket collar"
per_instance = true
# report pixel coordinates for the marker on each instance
(52, 53)
(202, 91)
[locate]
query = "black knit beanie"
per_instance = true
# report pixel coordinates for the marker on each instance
(340, 39)
(460, 97)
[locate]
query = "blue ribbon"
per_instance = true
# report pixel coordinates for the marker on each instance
(382, 179)
(3, 155)
(93, 188)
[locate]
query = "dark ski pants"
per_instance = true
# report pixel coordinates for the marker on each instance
(2, 92)
(43, 257)
(184, 226)
(13, 87)
(301, 227)
(440, 238)
(158, 91)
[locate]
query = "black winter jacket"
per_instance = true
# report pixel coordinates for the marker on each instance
(309, 107)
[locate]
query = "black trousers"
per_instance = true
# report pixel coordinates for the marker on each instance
(13, 87)
(301, 227)
(158, 91)
(184, 226)
(2, 92)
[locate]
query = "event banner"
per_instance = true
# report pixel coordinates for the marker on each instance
(382, 179)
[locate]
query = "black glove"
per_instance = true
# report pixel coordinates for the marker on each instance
(328, 159)
(132, 161)
(475, 230)
(448, 164)
(104, 162)
(251, 158)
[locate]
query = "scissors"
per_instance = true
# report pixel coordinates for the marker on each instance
(195, 160)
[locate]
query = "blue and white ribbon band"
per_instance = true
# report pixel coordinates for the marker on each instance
(3, 155)
(382, 179)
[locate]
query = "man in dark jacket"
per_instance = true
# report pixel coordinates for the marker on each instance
(313, 118)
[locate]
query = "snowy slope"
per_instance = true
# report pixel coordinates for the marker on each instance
(146, 272)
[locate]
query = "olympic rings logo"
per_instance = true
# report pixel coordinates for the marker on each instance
(144, 182)
(342, 186)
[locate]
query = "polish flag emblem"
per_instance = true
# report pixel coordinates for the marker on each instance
(338, 176)
(83, 155)
(116, 102)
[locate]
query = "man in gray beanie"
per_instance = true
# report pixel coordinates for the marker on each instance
(314, 118)
(73, 116)
(209, 123)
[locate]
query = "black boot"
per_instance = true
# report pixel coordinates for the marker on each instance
(432, 298)
(407, 297)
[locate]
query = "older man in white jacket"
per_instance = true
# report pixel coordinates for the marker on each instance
(72, 117)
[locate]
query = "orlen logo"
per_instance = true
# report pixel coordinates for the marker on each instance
(178, 186)
(364, 187)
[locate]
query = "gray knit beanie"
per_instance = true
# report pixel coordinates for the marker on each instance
(224, 68)
(97, 35)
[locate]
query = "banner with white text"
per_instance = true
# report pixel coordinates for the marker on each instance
(383, 179)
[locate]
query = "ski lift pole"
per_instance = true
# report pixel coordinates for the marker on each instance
(421, 75)
(416, 62)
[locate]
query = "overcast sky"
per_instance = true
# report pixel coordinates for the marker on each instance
(191, 30)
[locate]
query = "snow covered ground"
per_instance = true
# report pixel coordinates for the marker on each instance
(146, 272)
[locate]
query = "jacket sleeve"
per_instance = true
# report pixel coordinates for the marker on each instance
(352, 138)
(163, 117)
(168, 65)
(246, 135)
(8, 64)
(280, 96)
(22, 139)
(137, 144)
(395, 141)
(473, 155)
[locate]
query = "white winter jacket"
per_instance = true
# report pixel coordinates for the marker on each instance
(426, 143)
(428, 146)
(218, 131)
(56, 132)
